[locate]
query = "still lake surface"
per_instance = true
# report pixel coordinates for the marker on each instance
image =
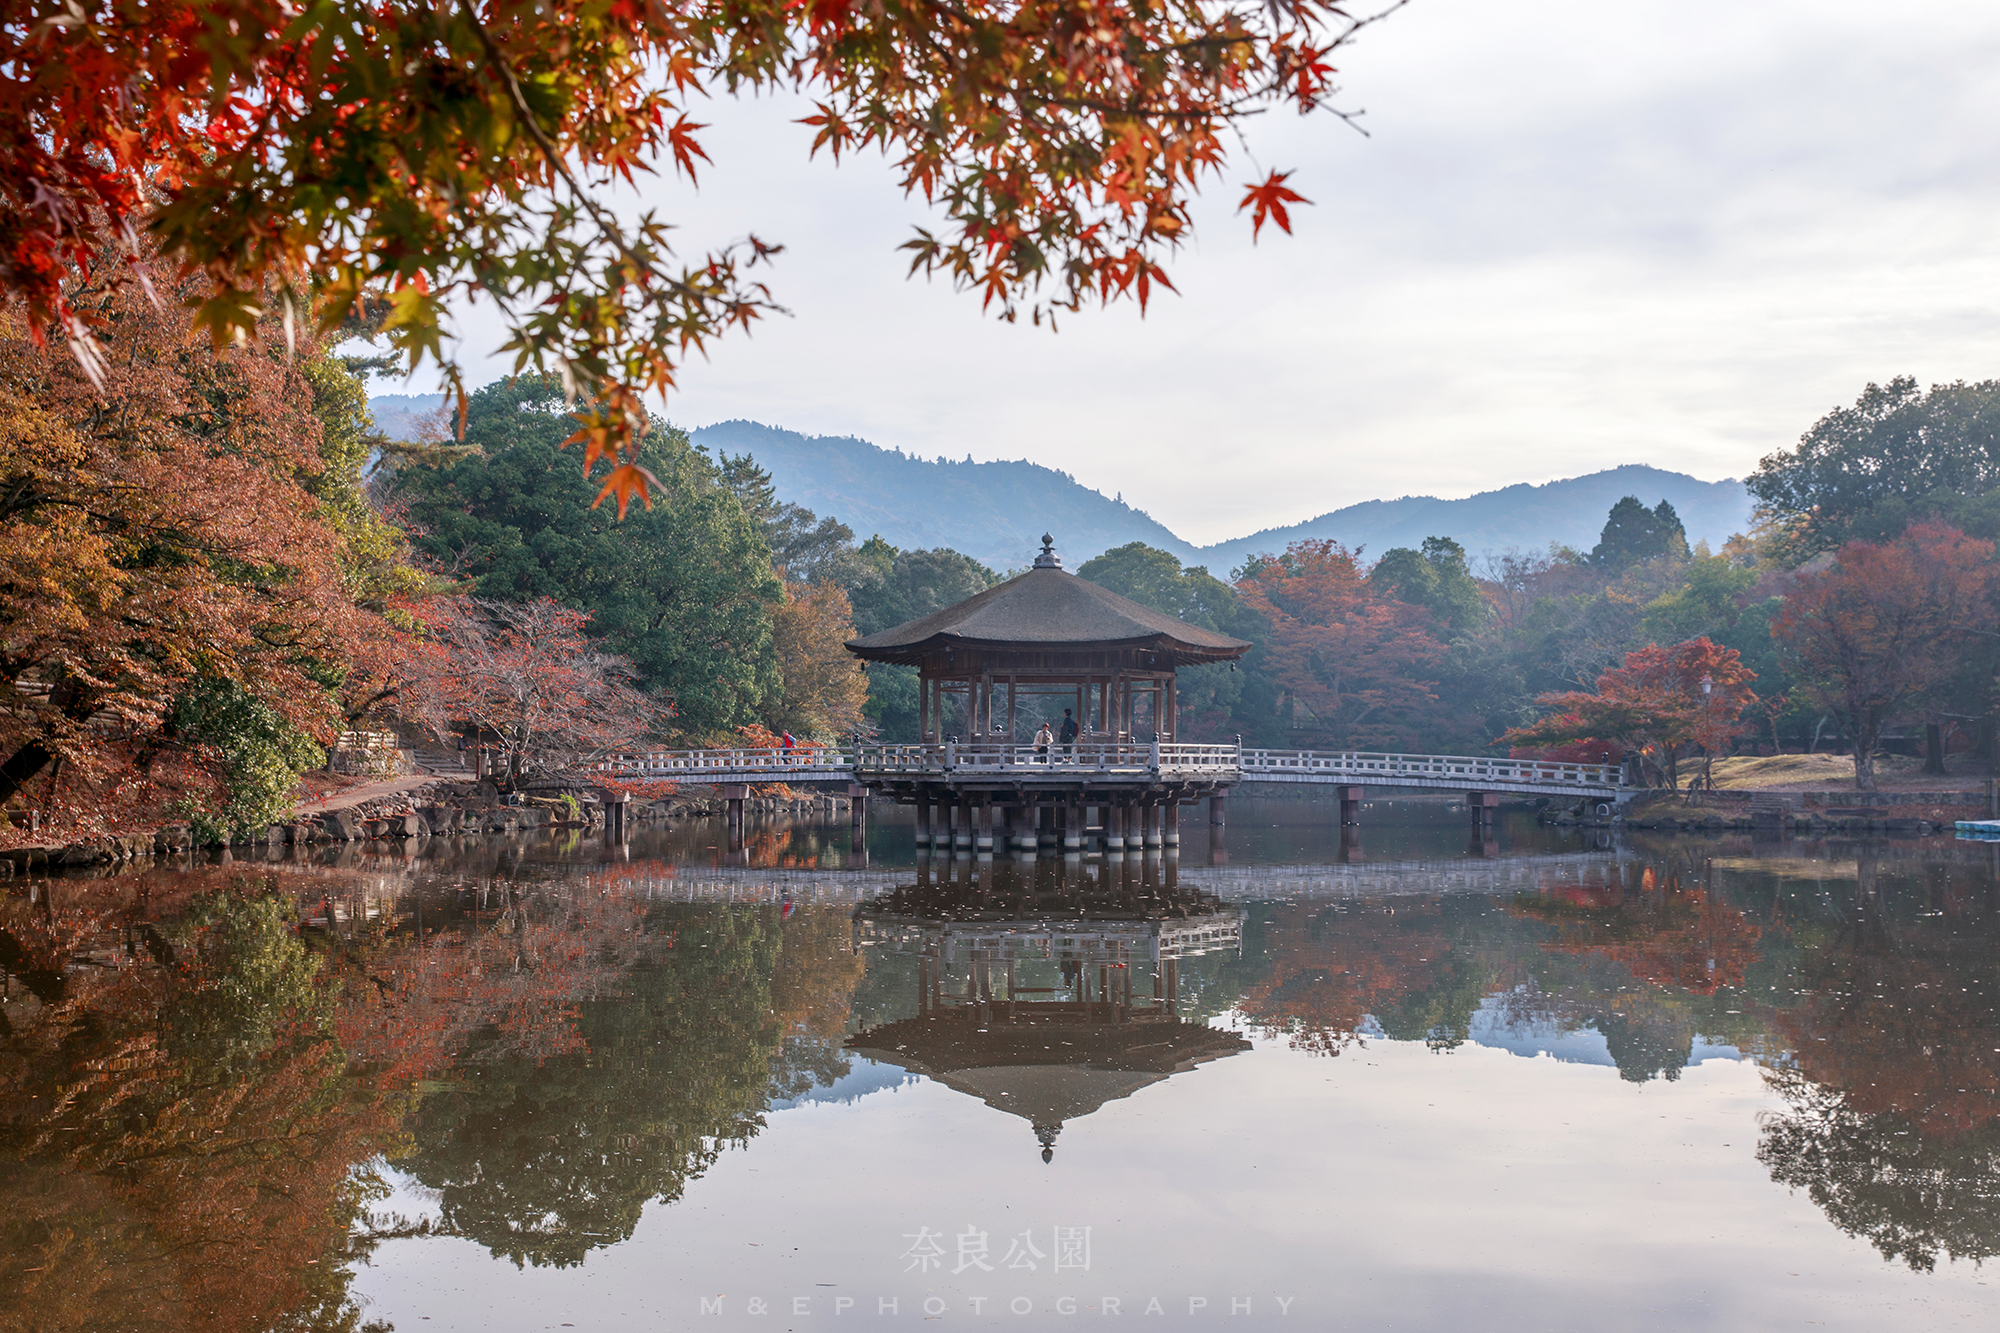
(1405, 1080)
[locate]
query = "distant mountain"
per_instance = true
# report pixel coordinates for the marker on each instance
(993, 512)
(396, 414)
(997, 512)
(1571, 512)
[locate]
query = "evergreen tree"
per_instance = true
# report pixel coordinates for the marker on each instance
(1634, 534)
(683, 589)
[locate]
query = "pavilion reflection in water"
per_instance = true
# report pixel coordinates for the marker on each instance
(1047, 990)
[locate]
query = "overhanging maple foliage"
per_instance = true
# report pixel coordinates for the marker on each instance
(425, 153)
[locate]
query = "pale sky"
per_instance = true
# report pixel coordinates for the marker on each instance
(1581, 234)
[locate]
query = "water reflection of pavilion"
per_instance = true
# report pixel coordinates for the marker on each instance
(1047, 1000)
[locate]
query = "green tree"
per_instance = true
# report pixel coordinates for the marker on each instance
(684, 589)
(1437, 578)
(1899, 455)
(1634, 534)
(889, 587)
(256, 753)
(1215, 701)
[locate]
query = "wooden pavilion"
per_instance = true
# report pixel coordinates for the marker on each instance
(1110, 661)
(1049, 632)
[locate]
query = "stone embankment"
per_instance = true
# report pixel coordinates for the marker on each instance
(442, 808)
(1845, 813)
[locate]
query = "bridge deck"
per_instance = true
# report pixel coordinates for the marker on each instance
(1219, 765)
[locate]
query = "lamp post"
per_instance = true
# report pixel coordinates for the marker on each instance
(1708, 728)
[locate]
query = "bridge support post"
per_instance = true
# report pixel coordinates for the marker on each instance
(923, 823)
(857, 809)
(615, 808)
(1350, 804)
(961, 826)
(983, 839)
(1072, 830)
(1155, 814)
(1114, 826)
(1484, 806)
(733, 794)
(1218, 809)
(1171, 836)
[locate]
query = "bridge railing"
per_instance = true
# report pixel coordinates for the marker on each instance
(1448, 769)
(981, 757)
(694, 764)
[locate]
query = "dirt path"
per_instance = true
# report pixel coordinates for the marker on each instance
(349, 797)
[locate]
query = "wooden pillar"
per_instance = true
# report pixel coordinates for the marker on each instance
(961, 820)
(983, 837)
(1073, 826)
(1172, 833)
(1483, 805)
(1155, 816)
(1350, 804)
(1218, 808)
(1114, 826)
(1013, 688)
(857, 808)
(923, 822)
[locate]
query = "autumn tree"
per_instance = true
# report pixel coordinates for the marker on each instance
(824, 688)
(1362, 668)
(424, 155)
(162, 551)
(528, 673)
(1885, 624)
(1655, 704)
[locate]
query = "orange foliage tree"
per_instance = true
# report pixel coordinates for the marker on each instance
(824, 686)
(1655, 704)
(1362, 665)
(1885, 624)
(425, 153)
(156, 535)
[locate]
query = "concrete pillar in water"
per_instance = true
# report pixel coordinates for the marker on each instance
(1350, 804)
(1114, 826)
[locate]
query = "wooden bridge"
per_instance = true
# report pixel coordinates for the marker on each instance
(1118, 764)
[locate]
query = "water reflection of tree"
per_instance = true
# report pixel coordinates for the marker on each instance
(180, 1142)
(545, 1160)
(1915, 1196)
(1892, 1084)
(1413, 963)
(191, 1130)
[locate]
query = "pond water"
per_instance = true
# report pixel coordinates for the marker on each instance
(1412, 1077)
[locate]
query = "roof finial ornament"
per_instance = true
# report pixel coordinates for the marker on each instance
(1048, 559)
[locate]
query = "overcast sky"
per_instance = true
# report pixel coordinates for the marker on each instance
(1581, 234)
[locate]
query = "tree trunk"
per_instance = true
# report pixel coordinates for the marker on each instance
(1864, 761)
(21, 768)
(1933, 750)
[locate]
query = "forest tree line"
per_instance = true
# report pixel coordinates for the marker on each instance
(212, 568)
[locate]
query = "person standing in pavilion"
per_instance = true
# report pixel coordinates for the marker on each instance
(1068, 736)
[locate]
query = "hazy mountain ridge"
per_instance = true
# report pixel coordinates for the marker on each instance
(996, 512)
(1570, 511)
